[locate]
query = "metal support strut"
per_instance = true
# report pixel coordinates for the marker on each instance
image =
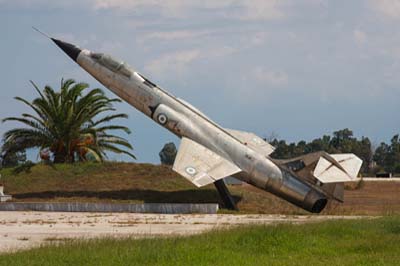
(225, 195)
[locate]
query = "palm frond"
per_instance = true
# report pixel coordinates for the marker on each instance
(38, 120)
(37, 110)
(36, 88)
(27, 122)
(110, 147)
(114, 127)
(109, 118)
(115, 140)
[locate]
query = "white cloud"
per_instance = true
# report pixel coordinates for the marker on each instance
(260, 82)
(40, 4)
(74, 39)
(110, 46)
(173, 62)
(257, 38)
(246, 10)
(359, 36)
(219, 51)
(177, 62)
(124, 4)
(270, 77)
(388, 8)
(261, 10)
(236, 9)
(173, 35)
(232, 9)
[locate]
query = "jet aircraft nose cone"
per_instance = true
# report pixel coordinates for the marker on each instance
(70, 49)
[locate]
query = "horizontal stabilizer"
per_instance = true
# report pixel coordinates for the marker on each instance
(350, 162)
(253, 141)
(343, 168)
(200, 165)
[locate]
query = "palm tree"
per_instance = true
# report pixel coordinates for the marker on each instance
(66, 125)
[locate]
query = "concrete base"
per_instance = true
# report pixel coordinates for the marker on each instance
(165, 208)
(4, 198)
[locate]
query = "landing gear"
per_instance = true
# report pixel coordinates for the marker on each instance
(225, 195)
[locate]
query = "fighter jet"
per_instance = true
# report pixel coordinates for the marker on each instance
(209, 152)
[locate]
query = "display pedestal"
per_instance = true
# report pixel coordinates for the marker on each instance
(225, 195)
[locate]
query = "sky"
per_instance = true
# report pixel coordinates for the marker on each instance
(296, 69)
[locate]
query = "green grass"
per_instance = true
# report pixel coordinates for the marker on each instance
(357, 242)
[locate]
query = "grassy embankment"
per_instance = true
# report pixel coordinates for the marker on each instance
(137, 183)
(356, 242)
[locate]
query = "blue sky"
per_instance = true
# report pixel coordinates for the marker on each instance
(298, 69)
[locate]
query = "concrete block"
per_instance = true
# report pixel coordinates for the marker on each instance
(4, 198)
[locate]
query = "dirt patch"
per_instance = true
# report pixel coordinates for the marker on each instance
(373, 198)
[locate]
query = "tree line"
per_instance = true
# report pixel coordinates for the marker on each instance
(384, 158)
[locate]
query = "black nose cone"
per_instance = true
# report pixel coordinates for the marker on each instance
(70, 49)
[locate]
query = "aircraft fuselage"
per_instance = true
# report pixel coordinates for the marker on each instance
(184, 120)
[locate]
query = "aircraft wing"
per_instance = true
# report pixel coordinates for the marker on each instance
(200, 165)
(253, 141)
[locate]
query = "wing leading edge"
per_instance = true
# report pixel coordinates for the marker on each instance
(253, 141)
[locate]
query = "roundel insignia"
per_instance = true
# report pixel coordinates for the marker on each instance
(162, 119)
(190, 170)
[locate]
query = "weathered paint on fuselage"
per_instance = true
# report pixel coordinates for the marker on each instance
(185, 121)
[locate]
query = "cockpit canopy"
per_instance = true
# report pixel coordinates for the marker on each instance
(112, 64)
